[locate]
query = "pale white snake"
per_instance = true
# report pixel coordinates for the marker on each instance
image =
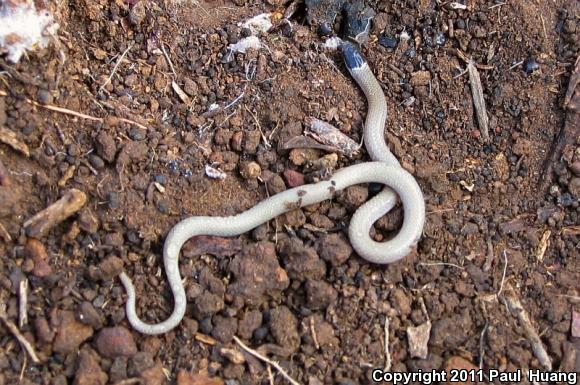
(384, 169)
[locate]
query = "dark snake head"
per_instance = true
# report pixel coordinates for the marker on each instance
(352, 56)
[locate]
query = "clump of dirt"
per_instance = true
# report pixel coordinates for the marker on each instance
(153, 95)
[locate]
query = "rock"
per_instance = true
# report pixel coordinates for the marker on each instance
(116, 342)
(321, 221)
(211, 282)
(418, 340)
(251, 141)
(293, 178)
(88, 221)
(89, 315)
(206, 305)
(224, 328)
(132, 152)
(301, 262)
(153, 375)
(293, 218)
(354, 196)
(401, 302)
(43, 331)
(251, 320)
(319, 294)
(105, 146)
(451, 332)
(459, 363)
(36, 251)
(118, 371)
(217, 246)
(187, 378)
(333, 248)
(137, 13)
(284, 328)
(70, 334)
(257, 273)
(250, 170)
(420, 78)
(574, 187)
(110, 268)
(300, 156)
(89, 371)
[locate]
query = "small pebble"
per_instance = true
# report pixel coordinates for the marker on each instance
(530, 65)
(388, 41)
(116, 342)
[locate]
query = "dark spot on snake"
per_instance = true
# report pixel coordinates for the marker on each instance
(332, 182)
(301, 193)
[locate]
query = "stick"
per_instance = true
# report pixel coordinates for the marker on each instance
(503, 276)
(515, 306)
(23, 303)
(387, 352)
(267, 360)
(115, 68)
(14, 330)
(478, 100)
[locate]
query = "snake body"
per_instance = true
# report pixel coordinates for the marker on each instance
(384, 169)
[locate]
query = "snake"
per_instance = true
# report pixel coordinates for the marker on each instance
(384, 169)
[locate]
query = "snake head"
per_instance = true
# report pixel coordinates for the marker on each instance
(352, 56)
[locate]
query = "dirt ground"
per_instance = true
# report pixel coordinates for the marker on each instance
(501, 225)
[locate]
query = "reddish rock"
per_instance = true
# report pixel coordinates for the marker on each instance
(89, 371)
(36, 251)
(459, 363)
(154, 375)
(70, 333)
(187, 378)
(116, 342)
(293, 178)
(110, 267)
(334, 249)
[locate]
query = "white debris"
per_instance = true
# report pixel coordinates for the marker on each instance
(258, 24)
(333, 43)
(404, 36)
(214, 173)
(329, 135)
(456, 5)
(213, 106)
(23, 27)
(419, 339)
(245, 44)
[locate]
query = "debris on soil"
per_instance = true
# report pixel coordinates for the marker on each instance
(10, 138)
(21, 339)
(40, 224)
(23, 27)
(576, 324)
(331, 136)
(418, 337)
(518, 310)
(214, 173)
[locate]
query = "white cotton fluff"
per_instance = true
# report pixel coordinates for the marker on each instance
(22, 28)
(333, 43)
(245, 44)
(258, 24)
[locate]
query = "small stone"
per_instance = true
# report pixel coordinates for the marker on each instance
(250, 170)
(207, 304)
(420, 78)
(89, 315)
(137, 13)
(460, 364)
(293, 218)
(136, 133)
(70, 334)
(401, 302)
(154, 375)
(116, 342)
(88, 221)
(334, 249)
(44, 97)
(37, 252)
(190, 87)
(224, 328)
(293, 178)
(388, 41)
(96, 161)
(251, 141)
(89, 371)
(186, 378)
(110, 268)
(319, 294)
(43, 331)
(418, 340)
(105, 146)
(284, 328)
(251, 320)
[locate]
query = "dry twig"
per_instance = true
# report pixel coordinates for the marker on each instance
(14, 330)
(115, 68)
(515, 306)
(267, 360)
(23, 303)
(387, 351)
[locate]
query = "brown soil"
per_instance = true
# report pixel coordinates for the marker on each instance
(292, 288)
